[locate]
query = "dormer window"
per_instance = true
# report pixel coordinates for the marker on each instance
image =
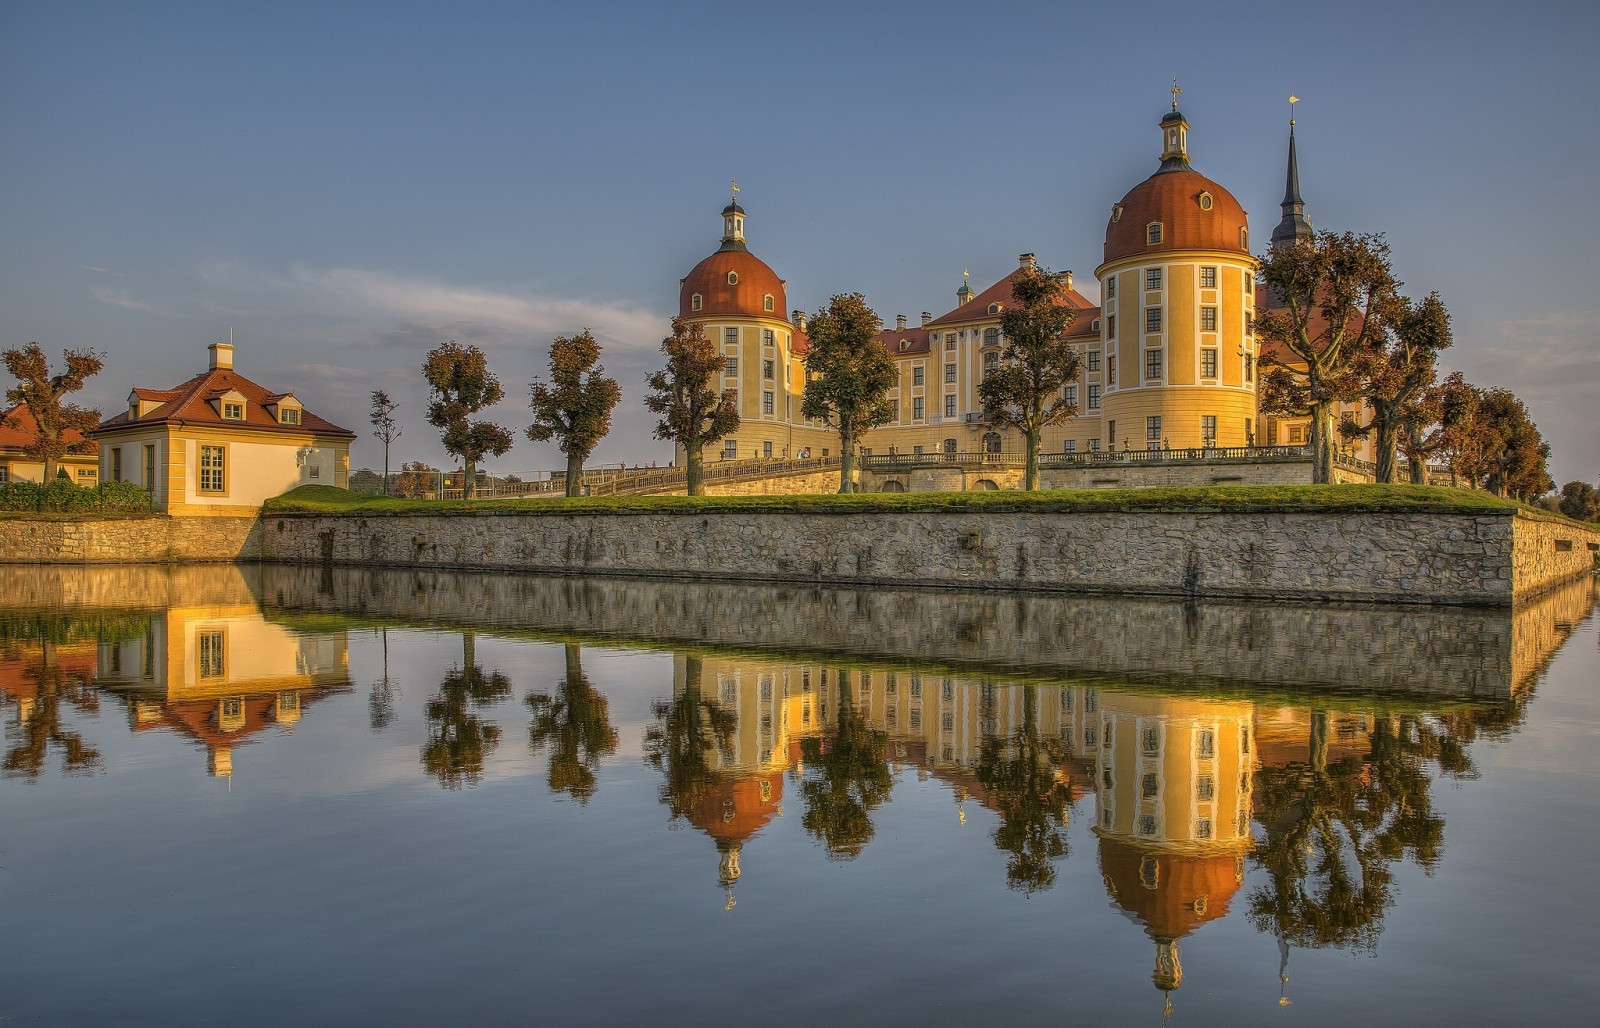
(1116, 212)
(767, 303)
(995, 308)
(1152, 233)
(696, 302)
(1244, 238)
(1205, 201)
(232, 410)
(288, 415)
(733, 278)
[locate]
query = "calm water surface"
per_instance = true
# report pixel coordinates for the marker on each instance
(257, 796)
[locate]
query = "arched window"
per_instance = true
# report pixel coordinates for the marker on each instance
(767, 302)
(1152, 233)
(1244, 238)
(892, 486)
(696, 302)
(984, 485)
(995, 308)
(1205, 201)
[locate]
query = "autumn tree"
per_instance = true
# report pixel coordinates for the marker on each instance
(44, 396)
(849, 375)
(575, 408)
(1328, 295)
(1025, 390)
(693, 414)
(1398, 366)
(462, 386)
(1501, 450)
(1432, 423)
(1580, 501)
(385, 427)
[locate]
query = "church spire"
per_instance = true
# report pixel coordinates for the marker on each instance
(1294, 227)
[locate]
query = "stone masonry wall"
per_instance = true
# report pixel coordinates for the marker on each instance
(1428, 558)
(128, 540)
(1454, 651)
(1545, 552)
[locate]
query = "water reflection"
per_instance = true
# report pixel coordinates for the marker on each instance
(1221, 792)
(459, 741)
(575, 724)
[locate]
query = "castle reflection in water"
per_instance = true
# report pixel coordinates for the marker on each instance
(1187, 778)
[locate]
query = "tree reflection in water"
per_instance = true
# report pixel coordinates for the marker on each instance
(847, 777)
(38, 728)
(459, 742)
(1031, 796)
(380, 700)
(576, 724)
(688, 731)
(1334, 829)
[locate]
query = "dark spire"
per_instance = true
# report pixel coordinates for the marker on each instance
(1294, 227)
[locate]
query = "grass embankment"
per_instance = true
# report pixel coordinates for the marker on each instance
(321, 499)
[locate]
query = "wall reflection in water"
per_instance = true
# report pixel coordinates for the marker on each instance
(1223, 790)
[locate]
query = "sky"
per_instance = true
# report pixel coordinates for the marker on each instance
(343, 186)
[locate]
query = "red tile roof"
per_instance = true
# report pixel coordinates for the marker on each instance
(189, 404)
(977, 308)
(19, 429)
(904, 342)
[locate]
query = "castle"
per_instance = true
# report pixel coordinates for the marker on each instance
(1167, 360)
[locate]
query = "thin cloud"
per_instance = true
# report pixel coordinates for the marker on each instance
(126, 300)
(380, 310)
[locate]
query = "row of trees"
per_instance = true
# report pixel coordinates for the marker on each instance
(1339, 330)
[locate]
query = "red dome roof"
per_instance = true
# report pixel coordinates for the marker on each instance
(746, 294)
(1176, 198)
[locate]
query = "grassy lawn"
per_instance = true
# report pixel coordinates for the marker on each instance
(321, 499)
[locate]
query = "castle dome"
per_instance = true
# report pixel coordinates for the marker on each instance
(733, 280)
(1193, 212)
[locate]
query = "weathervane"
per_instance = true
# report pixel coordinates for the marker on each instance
(1175, 92)
(1292, 101)
(735, 184)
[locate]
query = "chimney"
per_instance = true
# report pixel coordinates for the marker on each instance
(926, 317)
(221, 356)
(1069, 278)
(798, 319)
(1027, 260)
(899, 322)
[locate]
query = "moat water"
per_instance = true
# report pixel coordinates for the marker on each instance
(277, 795)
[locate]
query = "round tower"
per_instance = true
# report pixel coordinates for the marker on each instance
(739, 302)
(1177, 291)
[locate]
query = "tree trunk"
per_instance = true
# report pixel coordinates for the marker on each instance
(574, 474)
(1388, 443)
(694, 471)
(386, 469)
(1321, 442)
(847, 461)
(469, 481)
(1030, 470)
(1415, 465)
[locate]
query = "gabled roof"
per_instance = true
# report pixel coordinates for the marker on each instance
(190, 404)
(904, 342)
(977, 308)
(18, 429)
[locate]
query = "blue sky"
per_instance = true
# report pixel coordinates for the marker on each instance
(345, 185)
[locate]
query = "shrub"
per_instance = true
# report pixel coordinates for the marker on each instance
(63, 497)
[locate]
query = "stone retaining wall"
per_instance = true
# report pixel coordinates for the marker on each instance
(1393, 557)
(128, 540)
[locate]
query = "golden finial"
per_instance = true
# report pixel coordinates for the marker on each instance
(735, 183)
(965, 274)
(1292, 101)
(1175, 92)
